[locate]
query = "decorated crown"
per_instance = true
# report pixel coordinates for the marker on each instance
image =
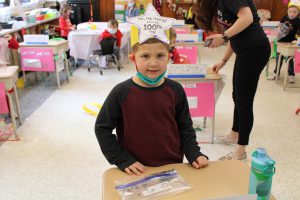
(150, 25)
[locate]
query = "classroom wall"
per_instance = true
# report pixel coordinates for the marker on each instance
(277, 7)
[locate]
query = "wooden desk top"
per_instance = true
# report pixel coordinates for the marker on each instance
(8, 71)
(52, 43)
(287, 45)
(189, 43)
(219, 179)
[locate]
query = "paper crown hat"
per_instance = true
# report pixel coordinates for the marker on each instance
(294, 3)
(150, 25)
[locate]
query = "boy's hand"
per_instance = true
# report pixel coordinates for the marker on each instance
(135, 169)
(200, 162)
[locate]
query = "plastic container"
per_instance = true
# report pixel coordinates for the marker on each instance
(31, 19)
(262, 171)
(40, 17)
(200, 35)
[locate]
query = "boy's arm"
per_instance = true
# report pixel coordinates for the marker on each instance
(106, 121)
(187, 133)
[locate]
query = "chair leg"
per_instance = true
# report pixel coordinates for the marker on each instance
(117, 62)
(90, 61)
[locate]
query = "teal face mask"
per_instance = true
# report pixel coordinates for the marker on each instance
(150, 81)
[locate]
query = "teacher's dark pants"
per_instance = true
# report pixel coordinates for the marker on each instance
(248, 66)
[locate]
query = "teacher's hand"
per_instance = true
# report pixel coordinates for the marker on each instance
(217, 40)
(216, 67)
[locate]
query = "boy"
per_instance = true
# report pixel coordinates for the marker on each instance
(289, 27)
(150, 114)
(175, 57)
(113, 31)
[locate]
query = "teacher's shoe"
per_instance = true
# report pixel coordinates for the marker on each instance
(233, 156)
(227, 139)
(292, 79)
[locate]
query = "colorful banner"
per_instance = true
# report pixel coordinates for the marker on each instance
(297, 62)
(3, 101)
(190, 52)
(37, 59)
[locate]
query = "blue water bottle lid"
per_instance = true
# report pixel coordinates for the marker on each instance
(262, 162)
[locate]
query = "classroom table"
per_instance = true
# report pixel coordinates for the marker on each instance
(57, 46)
(217, 79)
(91, 39)
(9, 75)
(286, 49)
(219, 179)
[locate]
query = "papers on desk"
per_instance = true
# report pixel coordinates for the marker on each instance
(242, 197)
(186, 71)
(36, 39)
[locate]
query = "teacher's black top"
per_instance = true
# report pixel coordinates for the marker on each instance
(227, 16)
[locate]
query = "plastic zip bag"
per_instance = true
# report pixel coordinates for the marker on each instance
(152, 186)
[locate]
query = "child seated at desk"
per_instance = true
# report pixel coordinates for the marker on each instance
(176, 58)
(289, 27)
(150, 113)
(113, 31)
(6, 41)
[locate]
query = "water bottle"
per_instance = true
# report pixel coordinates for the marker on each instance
(262, 171)
(200, 35)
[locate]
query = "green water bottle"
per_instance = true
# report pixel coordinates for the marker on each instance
(262, 171)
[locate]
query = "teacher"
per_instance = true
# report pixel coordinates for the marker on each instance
(240, 26)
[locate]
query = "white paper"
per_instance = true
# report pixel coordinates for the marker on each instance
(242, 197)
(187, 37)
(187, 69)
(157, 188)
(193, 102)
(36, 39)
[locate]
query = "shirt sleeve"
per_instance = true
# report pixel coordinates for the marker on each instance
(107, 120)
(187, 133)
(234, 5)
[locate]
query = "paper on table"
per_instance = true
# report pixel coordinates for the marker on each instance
(242, 197)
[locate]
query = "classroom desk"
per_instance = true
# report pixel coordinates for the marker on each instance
(197, 44)
(219, 179)
(219, 85)
(56, 46)
(91, 39)
(9, 75)
(286, 50)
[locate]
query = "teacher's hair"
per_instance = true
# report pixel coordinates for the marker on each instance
(206, 14)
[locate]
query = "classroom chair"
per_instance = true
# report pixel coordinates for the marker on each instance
(107, 50)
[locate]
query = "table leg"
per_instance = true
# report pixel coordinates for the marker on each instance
(57, 73)
(278, 69)
(24, 78)
(67, 69)
(12, 114)
(199, 59)
(286, 73)
(17, 104)
(204, 122)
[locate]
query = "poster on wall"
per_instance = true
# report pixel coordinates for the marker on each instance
(122, 5)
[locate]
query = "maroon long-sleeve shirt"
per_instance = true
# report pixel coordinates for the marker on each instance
(153, 125)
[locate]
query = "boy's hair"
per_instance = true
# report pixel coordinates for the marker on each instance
(293, 6)
(149, 41)
(113, 22)
(172, 33)
(65, 8)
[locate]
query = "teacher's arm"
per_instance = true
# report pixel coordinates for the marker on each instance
(216, 67)
(245, 18)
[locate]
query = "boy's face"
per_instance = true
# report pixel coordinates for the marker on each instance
(293, 12)
(152, 59)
